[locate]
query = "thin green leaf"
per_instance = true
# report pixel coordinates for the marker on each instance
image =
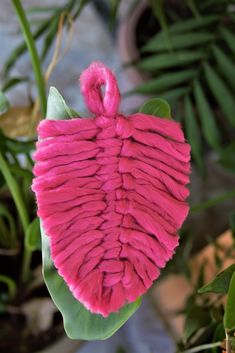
(4, 103)
(209, 127)
(159, 13)
(229, 314)
(226, 65)
(157, 107)
(22, 48)
(57, 108)
(33, 239)
(12, 235)
(11, 285)
(50, 37)
(193, 24)
(163, 61)
(178, 41)
(114, 6)
(220, 284)
(10, 145)
(174, 94)
(221, 93)
(193, 134)
(12, 82)
(164, 82)
(193, 7)
(37, 9)
(229, 38)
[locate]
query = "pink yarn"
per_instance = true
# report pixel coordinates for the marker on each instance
(111, 195)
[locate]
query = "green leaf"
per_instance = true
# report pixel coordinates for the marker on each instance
(157, 107)
(209, 127)
(227, 157)
(221, 93)
(229, 314)
(193, 134)
(57, 108)
(220, 284)
(79, 323)
(11, 239)
(193, 7)
(4, 103)
(178, 41)
(11, 285)
(226, 65)
(50, 37)
(193, 24)
(33, 239)
(175, 94)
(164, 82)
(14, 81)
(166, 60)
(196, 319)
(229, 38)
(159, 13)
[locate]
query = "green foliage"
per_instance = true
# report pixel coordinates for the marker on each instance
(4, 104)
(195, 66)
(156, 106)
(220, 284)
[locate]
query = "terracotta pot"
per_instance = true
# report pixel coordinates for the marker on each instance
(169, 295)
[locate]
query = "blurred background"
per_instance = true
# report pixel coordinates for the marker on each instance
(180, 50)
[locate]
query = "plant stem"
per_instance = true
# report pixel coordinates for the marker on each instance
(228, 342)
(33, 53)
(203, 347)
(21, 208)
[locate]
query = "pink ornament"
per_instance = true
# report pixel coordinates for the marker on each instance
(111, 195)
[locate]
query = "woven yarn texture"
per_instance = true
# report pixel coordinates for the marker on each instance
(111, 193)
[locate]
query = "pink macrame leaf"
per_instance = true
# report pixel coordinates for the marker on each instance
(111, 195)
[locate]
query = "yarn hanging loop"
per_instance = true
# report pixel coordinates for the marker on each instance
(92, 79)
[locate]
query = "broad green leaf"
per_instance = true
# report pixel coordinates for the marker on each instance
(196, 319)
(209, 127)
(174, 94)
(164, 82)
(193, 24)
(157, 107)
(57, 108)
(4, 103)
(220, 284)
(163, 61)
(33, 239)
(11, 285)
(229, 314)
(193, 133)
(221, 93)
(226, 65)
(79, 323)
(178, 41)
(229, 38)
